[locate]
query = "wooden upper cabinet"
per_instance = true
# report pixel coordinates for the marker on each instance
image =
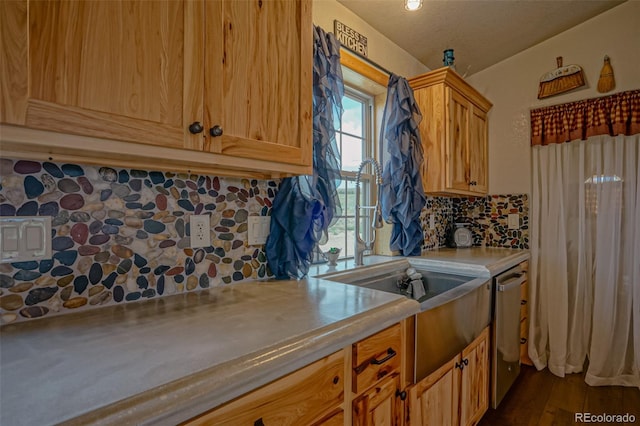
(454, 133)
(108, 69)
(258, 80)
(139, 73)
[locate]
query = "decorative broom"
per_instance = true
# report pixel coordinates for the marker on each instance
(606, 82)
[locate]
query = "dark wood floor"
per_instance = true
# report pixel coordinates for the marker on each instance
(539, 398)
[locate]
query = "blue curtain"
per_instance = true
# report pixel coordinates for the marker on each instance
(305, 206)
(402, 192)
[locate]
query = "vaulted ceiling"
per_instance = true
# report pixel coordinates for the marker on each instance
(481, 32)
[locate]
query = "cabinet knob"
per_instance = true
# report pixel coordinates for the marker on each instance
(401, 394)
(473, 183)
(196, 127)
(462, 364)
(215, 131)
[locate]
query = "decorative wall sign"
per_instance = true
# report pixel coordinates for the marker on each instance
(560, 80)
(351, 39)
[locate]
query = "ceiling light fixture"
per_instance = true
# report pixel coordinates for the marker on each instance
(412, 4)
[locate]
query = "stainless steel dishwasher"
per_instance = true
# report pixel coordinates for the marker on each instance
(505, 364)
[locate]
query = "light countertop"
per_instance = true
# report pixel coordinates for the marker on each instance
(168, 359)
(476, 261)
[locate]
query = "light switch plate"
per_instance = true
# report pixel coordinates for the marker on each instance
(258, 230)
(24, 238)
(514, 221)
(432, 221)
(200, 227)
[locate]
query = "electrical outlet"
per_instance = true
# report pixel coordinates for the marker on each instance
(24, 238)
(200, 231)
(258, 230)
(432, 221)
(514, 221)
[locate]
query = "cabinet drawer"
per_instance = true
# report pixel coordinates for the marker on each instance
(376, 357)
(524, 327)
(306, 396)
(523, 309)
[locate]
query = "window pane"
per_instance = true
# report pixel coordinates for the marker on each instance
(337, 237)
(350, 198)
(352, 137)
(336, 120)
(342, 195)
(351, 227)
(352, 116)
(351, 153)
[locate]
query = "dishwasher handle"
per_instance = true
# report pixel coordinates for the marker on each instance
(515, 281)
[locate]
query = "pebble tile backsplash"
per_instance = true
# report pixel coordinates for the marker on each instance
(488, 219)
(442, 209)
(121, 235)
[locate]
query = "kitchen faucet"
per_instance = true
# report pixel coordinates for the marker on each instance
(367, 244)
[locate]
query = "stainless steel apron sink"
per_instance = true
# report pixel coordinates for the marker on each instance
(454, 310)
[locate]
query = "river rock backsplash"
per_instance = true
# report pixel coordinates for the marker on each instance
(121, 235)
(488, 219)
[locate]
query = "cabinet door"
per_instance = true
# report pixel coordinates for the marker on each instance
(336, 419)
(478, 155)
(458, 141)
(311, 395)
(379, 406)
(434, 400)
(474, 388)
(103, 68)
(258, 79)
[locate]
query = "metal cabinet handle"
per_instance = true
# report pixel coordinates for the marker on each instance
(390, 354)
(215, 131)
(196, 127)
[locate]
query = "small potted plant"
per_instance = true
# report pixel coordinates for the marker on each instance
(332, 255)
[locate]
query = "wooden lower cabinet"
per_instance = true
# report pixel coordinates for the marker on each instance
(362, 384)
(335, 419)
(380, 405)
(524, 317)
(378, 375)
(312, 395)
(457, 393)
(474, 388)
(434, 400)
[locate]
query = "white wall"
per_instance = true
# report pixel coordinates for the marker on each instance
(381, 50)
(512, 86)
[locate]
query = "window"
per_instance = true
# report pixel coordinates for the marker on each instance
(354, 137)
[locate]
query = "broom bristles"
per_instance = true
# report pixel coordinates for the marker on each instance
(606, 82)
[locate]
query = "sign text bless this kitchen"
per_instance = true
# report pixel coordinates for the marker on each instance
(349, 38)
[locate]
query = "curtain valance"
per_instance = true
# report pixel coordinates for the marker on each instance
(609, 115)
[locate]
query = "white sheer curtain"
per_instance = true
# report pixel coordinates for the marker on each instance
(585, 259)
